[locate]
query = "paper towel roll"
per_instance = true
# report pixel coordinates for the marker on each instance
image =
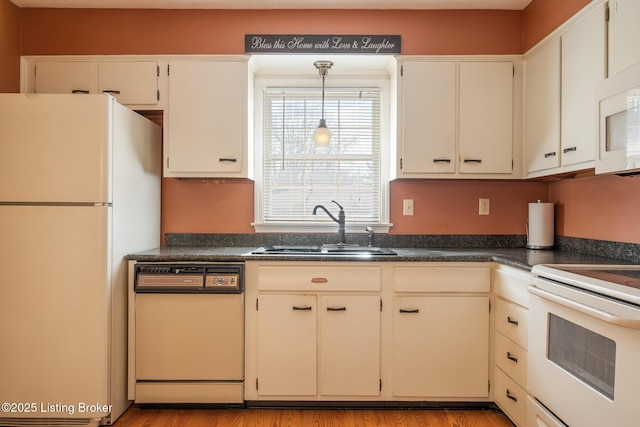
(540, 226)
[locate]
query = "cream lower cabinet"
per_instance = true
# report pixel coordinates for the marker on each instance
(367, 331)
(440, 332)
(510, 344)
(314, 331)
(440, 346)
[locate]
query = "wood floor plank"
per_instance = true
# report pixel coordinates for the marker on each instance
(142, 417)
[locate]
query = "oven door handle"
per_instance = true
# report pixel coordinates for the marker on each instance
(627, 322)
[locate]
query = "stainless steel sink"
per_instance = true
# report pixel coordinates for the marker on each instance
(332, 250)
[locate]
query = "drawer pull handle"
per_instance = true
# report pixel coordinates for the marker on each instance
(336, 308)
(115, 92)
(472, 160)
(82, 91)
(550, 154)
(511, 357)
(441, 160)
(567, 150)
(319, 280)
(228, 159)
(415, 310)
(308, 308)
(510, 396)
(510, 320)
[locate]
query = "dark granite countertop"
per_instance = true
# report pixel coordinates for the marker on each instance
(515, 257)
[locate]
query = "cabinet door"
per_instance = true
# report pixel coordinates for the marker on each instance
(583, 65)
(440, 347)
(486, 117)
(287, 345)
(428, 118)
(542, 108)
(350, 346)
(206, 121)
(129, 82)
(65, 77)
(624, 33)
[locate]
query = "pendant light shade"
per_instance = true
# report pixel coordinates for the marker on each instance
(322, 135)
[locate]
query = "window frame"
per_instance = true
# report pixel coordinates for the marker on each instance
(336, 81)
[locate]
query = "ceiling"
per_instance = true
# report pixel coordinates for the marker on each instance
(278, 4)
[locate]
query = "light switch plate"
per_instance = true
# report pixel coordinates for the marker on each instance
(407, 207)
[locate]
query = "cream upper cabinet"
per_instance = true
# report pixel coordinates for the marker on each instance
(207, 127)
(542, 109)
(624, 33)
(428, 120)
(560, 108)
(455, 118)
(583, 65)
(130, 82)
(64, 77)
(486, 110)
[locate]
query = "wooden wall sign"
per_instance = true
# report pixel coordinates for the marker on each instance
(314, 43)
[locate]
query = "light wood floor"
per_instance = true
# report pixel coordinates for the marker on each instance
(142, 417)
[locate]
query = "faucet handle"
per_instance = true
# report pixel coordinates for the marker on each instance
(338, 204)
(371, 235)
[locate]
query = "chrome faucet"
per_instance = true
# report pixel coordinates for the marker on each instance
(340, 220)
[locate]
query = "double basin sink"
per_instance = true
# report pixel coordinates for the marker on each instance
(324, 250)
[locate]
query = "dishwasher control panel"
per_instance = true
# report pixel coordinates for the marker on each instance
(189, 278)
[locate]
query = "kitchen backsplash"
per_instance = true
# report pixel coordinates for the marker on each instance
(624, 251)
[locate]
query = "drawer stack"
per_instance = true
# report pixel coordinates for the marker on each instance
(510, 345)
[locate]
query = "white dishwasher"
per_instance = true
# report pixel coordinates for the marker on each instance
(189, 333)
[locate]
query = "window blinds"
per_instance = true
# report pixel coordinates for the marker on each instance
(298, 176)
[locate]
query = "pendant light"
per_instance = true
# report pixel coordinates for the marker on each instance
(322, 135)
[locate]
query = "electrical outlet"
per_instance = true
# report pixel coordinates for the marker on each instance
(407, 207)
(483, 207)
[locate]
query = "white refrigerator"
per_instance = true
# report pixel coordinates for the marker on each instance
(79, 189)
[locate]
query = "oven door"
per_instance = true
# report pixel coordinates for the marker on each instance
(583, 361)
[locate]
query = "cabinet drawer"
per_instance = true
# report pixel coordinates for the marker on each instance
(512, 359)
(442, 279)
(513, 322)
(511, 284)
(511, 398)
(319, 277)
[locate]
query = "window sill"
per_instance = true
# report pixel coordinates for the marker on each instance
(290, 227)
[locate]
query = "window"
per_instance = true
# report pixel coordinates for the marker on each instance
(292, 176)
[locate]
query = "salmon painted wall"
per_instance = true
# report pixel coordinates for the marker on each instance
(9, 47)
(442, 207)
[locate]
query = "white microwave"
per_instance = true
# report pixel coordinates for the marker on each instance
(618, 100)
